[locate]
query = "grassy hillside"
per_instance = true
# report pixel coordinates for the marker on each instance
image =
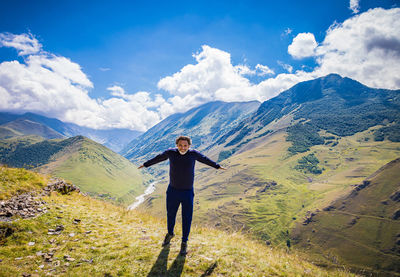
(295, 155)
(339, 105)
(11, 145)
(91, 166)
(6, 132)
(15, 181)
(110, 241)
(97, 170)
(263, 193)
(361, 229)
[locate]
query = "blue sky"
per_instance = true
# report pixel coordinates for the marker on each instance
(153, 58)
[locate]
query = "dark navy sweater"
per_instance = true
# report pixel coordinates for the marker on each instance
(181, 167)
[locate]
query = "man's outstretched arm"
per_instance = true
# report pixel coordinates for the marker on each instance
(157, 159)
(205, 160)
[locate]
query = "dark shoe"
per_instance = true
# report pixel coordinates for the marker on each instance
(167, 239)
(183, 251)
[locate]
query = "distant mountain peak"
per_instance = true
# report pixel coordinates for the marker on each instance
(115, 139)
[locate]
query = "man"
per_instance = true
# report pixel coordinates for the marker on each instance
(180, 189)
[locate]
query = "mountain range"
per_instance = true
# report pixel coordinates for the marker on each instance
(287, 159)
(297, 167)
(205, 124)
(23, 124)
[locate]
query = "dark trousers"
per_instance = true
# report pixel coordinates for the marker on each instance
(175, 197)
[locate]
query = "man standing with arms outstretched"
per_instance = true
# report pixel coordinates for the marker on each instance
(180, 189)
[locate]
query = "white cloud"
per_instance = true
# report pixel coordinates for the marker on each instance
(215, 78)
(26, 44)
(260, 70)
(303, 46)
(61, 66)
(212, 72)
(34, 87)
(244, 70)
(57, 87)
(365, 47)
(212, 78)
(288, 31)
(116, 91)
(355, 6)
(285, 66)
(263, 70)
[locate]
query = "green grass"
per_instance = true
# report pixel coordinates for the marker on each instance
(94, 168)
(99, 171)
(122, 243)
(15, 181)
(233, 200)
(360, 229)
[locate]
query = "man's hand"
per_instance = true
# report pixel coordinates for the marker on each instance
(223, 168)
(140, 166)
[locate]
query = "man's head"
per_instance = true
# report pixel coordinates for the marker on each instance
(183, 143)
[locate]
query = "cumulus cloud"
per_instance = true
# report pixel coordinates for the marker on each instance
(303, 46)
(116, 91)
(285, 66)
(25, 44)
(259, 70)
(213, 77)
(33, 86)
(57, 87)
(245, 70)
(365, 47)
(263, 70)
(355, 6)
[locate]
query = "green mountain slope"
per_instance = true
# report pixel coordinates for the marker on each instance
(245, 197)
(94, 168)
(292, 157)
(15, 181)
(96, 238)
(340, 106)
(97, 169)
(6, 132)
(361, 229)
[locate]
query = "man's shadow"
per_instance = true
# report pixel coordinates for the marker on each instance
(160, 269)
(160, 266)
